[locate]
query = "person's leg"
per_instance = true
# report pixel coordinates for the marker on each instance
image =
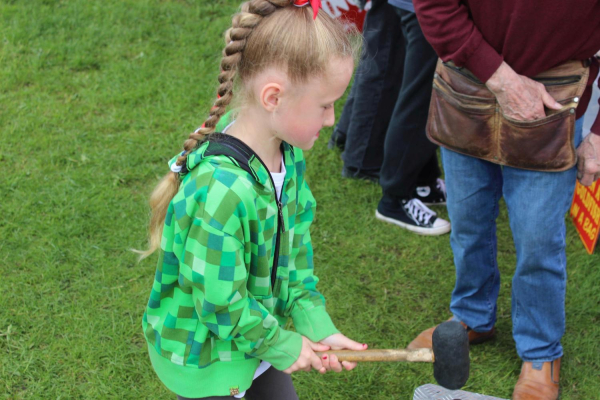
(537, 203)
(374, 91)
(474, 189)
(430, 171)
(370, 39)
(338, 137)
(407, 150)
(272, 385)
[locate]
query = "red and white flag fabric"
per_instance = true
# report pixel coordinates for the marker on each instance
(347, 11)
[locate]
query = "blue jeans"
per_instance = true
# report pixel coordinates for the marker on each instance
(537, 203)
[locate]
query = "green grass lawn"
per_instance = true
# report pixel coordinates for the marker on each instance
(95, 97)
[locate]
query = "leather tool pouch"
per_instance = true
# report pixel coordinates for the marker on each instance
(465, 117)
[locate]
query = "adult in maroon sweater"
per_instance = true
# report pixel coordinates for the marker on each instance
(504, 42)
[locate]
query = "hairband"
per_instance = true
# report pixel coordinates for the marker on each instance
(174, 167)
(315, 4)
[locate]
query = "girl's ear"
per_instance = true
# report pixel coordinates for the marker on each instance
(270, 96)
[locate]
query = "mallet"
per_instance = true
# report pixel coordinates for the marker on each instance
(450, 355)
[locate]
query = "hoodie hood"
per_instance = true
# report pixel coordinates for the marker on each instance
(235, 152)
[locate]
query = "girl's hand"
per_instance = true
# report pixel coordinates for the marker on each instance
(340, 342)
(308, 359)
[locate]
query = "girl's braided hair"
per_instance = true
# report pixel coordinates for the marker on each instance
(265, 33)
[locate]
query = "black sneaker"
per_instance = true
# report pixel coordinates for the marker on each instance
(434, 195)
(353, 173)
(412, 215)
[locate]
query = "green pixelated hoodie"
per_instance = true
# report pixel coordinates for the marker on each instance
(216, 308)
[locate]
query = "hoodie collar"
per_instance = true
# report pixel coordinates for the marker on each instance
(239, 154)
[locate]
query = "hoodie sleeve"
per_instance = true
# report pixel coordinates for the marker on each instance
(219, 285)
(305, 304)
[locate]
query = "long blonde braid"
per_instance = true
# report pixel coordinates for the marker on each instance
(243, 23)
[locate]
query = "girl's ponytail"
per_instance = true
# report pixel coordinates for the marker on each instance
(161, 196)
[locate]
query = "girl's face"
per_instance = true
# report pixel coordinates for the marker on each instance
(309, 107)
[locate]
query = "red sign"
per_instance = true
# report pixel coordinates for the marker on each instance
(585, 212)
(347, 11)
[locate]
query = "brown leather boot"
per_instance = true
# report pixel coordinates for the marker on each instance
(423, 340)
(538, 381)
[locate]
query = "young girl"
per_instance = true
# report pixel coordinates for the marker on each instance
(232, 218)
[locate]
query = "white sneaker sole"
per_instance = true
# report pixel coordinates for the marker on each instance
(416, 229)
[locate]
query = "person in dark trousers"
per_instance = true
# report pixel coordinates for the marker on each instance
(410, 175)
(361, 129)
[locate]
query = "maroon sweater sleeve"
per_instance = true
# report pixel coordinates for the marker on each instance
(449, 29)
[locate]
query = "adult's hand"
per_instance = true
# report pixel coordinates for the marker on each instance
(338, 341)
(588, 160)
(519, 97)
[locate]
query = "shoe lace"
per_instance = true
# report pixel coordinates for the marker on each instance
(441, 186)
(419, 211)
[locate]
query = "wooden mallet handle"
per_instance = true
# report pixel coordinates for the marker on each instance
(451, 363)
(417, 355)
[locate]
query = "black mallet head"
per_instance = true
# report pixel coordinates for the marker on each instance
(451, 352)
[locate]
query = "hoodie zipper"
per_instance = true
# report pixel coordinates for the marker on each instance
(280, 230)
(280, 227)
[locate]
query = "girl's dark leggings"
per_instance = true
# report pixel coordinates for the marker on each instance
(271, 385)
